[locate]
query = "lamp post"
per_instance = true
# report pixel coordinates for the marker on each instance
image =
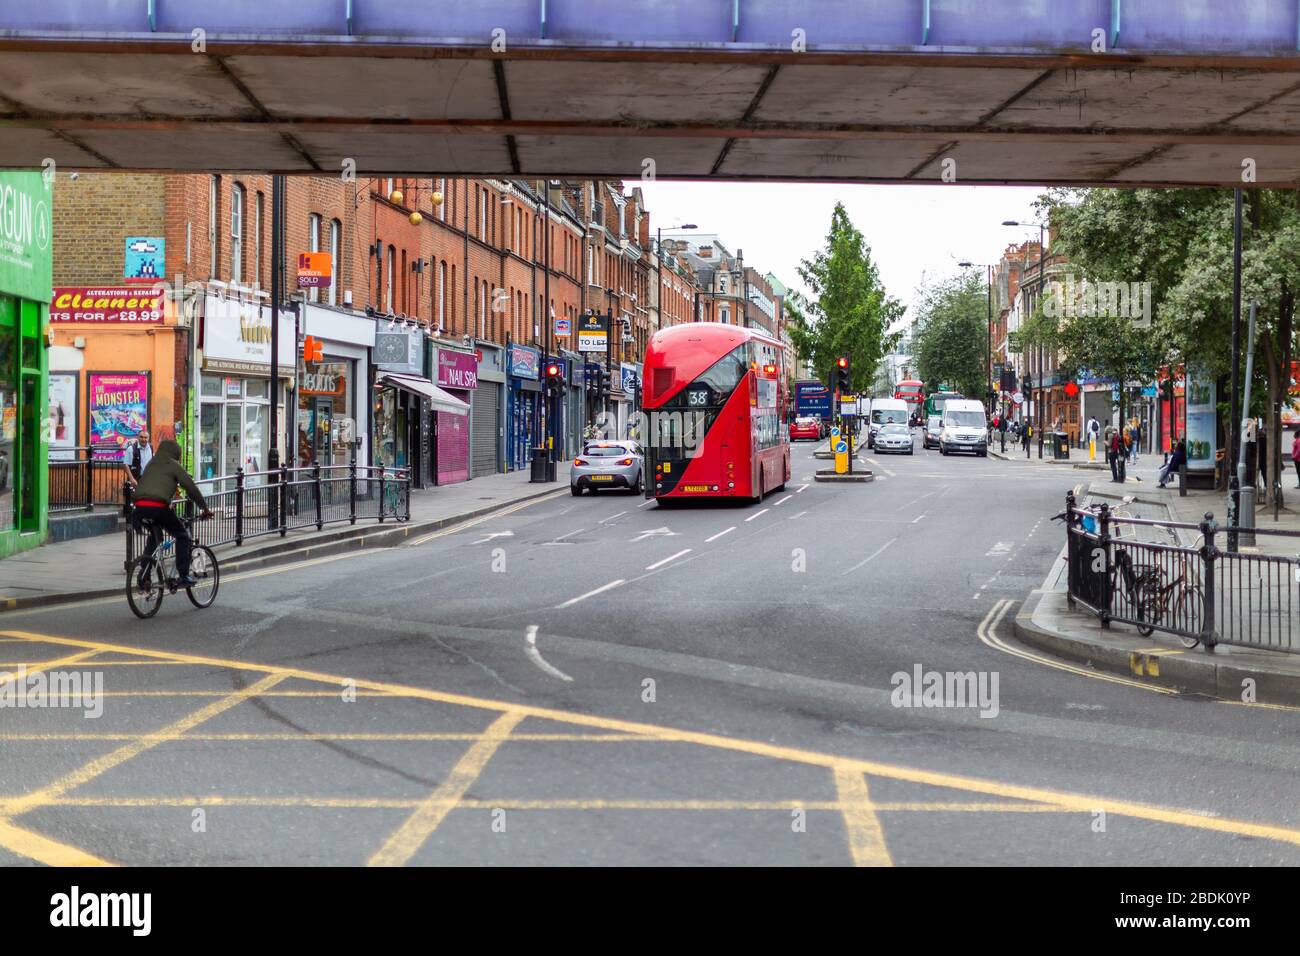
(988, 336)
(1038, 349)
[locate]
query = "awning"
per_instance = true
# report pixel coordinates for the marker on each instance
(441, 400)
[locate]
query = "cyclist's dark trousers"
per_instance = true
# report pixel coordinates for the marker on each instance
(166, 520)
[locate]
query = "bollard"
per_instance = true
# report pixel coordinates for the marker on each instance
(1209, 555)
(1103, 538)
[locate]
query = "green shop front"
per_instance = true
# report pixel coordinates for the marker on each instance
(24, 307)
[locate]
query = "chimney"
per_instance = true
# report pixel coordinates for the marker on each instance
(705, 252)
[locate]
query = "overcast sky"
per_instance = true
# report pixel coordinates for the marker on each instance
(914, 232)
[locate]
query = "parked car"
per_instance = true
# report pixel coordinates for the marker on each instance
(607, 464)
(895, 438)
(805, 428)
(930, 437)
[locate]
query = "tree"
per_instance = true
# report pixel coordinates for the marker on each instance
(951, 344)
(848, 311)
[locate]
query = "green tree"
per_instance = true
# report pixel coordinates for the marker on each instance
(847, 311)
(951, 341)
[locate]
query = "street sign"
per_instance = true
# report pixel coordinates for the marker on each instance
(848, 405)
(562, 328)
(1018, 398)
(1013, 343)
(842, 447)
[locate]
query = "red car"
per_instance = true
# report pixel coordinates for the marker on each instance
(805, 428)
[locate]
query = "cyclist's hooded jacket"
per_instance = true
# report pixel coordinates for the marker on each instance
(164, 474)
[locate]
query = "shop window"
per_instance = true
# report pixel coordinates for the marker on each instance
(210, 385)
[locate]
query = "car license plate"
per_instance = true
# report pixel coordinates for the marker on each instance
(602, 477)
(695, 487)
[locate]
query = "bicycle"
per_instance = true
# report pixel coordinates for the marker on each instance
(1154, 598)
(149, 579)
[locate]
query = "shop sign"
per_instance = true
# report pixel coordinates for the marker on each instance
(627, 377)
(108, 306)
(457, 369)
(314, 270)
(237, 334)
(325, 378)
(525, 362)
(146, 260)
(399, 349)
(25, 258)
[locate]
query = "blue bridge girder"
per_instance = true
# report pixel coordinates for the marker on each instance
(977, 91)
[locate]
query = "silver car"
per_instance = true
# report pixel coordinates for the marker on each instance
(607, 464)
(895, 438)
(930, 437)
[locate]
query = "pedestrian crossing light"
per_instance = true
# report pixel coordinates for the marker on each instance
(842, 374)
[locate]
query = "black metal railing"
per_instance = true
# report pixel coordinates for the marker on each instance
(250, 505)
(80, 482)
(1199, 593)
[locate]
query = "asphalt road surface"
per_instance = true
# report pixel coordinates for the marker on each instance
(600, 680)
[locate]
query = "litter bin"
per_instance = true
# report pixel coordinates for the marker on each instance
(1060, 445)
(539, 466)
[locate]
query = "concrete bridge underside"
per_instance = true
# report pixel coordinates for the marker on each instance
(1184, 93)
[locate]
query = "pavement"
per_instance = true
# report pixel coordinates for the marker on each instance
(1046, 621)
(600, 680)
(93, 567)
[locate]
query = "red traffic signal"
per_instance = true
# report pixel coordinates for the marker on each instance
(553, 370)
(842, 362)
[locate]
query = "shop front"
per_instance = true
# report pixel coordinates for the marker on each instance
(400, 411)
(525, 404)
(575, 410)
(333, 395)
(235, 391)
(25, 261)
(487, 429)
(458, 376)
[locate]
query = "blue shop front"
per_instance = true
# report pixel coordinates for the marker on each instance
(525, 388)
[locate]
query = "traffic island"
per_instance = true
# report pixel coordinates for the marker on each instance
(830, 455)
(830, 474)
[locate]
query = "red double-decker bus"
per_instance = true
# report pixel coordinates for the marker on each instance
(715, 406)
(912, 392)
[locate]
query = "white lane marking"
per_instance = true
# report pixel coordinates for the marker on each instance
(799, 490)
(720, 534)
(1000, 548)
(759, 515)
(870, 556)
(654, 533)
(671, 557)
(582, 597)
(648, 501)
(799, 515)
(782, 501)
(917, 518)
(568, 534)
(611, 517)
(496, 534)
(534, 655)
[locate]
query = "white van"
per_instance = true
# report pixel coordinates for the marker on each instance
(884, 411)
(965, 427)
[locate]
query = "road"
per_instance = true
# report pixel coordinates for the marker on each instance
(600, 680)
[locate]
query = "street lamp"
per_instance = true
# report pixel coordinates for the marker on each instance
(1038, 349)
(988, 329)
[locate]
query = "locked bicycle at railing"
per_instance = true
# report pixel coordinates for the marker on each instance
(1158, 595)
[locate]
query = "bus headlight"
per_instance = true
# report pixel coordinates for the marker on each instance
(730, 484)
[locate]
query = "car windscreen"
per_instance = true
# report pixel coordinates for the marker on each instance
(934, 422)
(894, 430)
(606, 451)
(971, 419)
(881, 415)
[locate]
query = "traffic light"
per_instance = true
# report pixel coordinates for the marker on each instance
(554, 378)
(842, 374)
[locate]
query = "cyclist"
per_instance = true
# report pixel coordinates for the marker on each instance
(153, 496)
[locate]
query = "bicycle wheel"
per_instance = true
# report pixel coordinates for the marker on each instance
(1146, 601)
(1188, 608)
(204, 566)
(144, 588)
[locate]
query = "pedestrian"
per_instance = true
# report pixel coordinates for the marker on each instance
(1094, 428)
(136, 455)
(1115, 454)
(1295, 455)
(1179, 458)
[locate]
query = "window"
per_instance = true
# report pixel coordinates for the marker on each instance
(389, 267)
(257, 241)
(482, 214)
(214, 200)
(336, 236)
(442, 207)
(442, 291)
(388, 187)
(313, 245)
(236, 233)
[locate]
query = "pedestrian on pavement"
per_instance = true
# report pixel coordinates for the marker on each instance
(1295, 455)
(1094, 429)
(1178, 459)
(136, 455)
(1115, 454)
